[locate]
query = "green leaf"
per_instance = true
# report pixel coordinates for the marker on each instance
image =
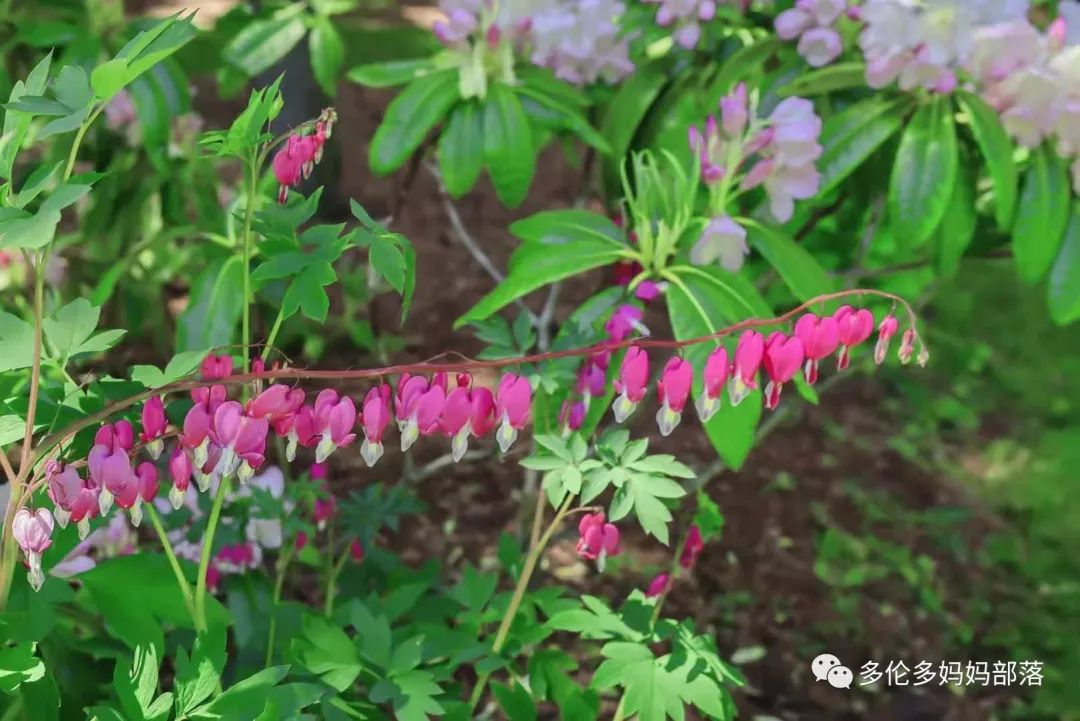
(414, 696)
(65, 124)
(326, 651)
(197, 678)
(626, 111)
(388, 74)
(461, 149)
(798, 267)
(262, 43)
(839, 76)
(217, 299)
(568, 118)
(109, 78)
(35, 231)
(43, 696)
(700, 302)
(924, 172)
(72, 87)
(957, 228)
(137, 687)
(508, 145)
(182, 364)
(16, 343)
(743, 64)
(1064, 286)
(327, 54)
(553, 227)
(997, 151)
(63, 196)
(36, 183)
(515, 701)
(39, 105)
(244, 699)
(409, 118)
(19, 665)
(306, 292)
(850, 137)
(71, 330)
(1042, 214)
(17, 124)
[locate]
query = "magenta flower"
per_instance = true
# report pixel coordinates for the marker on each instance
(717, 370)
(820, 338)
(375, 417)
(111, 471)
(117, 436)
(298, 430)
(418, 406)
(886, 330)
(180, 469)
(333, 419)
(632, 382)
(748, 354)
(64, 488)
(571, 416)
(277, 405)
(153, 426)
(301, 540)
(33, 532)
(854, 327)
(216, 367)
(782, 360)
(598, 540)
(242, 440)
(625, 319)
(455, 420)
(288, 165)
(658, 586)
(693, 547)
(648, 291)
(673, 390)
(146, 490)
(513, 403)
(592, 379)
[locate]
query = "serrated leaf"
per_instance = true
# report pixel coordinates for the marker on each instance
(326, 651)
(16, 343)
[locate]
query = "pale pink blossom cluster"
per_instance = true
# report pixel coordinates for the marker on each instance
(814, 23)
(1032, 78)
(923, 44)
(686, 17)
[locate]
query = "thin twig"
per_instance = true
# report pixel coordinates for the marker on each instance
(547, 313)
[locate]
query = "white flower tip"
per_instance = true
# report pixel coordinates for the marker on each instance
(409, 433)
(324, 449)
(176, 498)
(371, 452)
(459, 445)
(506, 435)
(622, 408)
(61, 516)
(84, 529)
(667, 420)
(105, 501)
(245, 473)
(154, 448)
(290, 449)
(136, 514)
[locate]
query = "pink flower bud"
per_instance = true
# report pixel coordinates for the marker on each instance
(854, 327)
(572, 416)
(1057, 33)
(717, 369)
(180, 470)
(356, 550)
(647, 291)
(673, 390)
(33, 532)
(301, 540)
(820, 338)
(153, 426)
(632, 382)
(658, 586)
(733, 111)
(325, 507)
(907, 346)
(317, 471)
(597, 539)
(625, 319)
(513, 404)
(757, 174)
(693, 547)
(782, 360)
(216, 367)
(886, 330)
(748, 354)
(792, 23)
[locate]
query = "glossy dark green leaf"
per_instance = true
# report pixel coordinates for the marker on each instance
(801, 271)
(264, 42)
(327, 54)
(924, 172)
(625, 113)
(509, 154)
(410, 117)
(461, 149)
(840, 76)
(1042, 214)
(1064, 286)
(997, 151)
(957, 228)
(850, 137)
(388, 74)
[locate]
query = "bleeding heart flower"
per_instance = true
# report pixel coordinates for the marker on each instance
(513, 404)
(146, 491)
(278, 404)
(626, 318)
(333, 419)
(886, 330)
(64, 488)
(216, 367)
(783, 357)
(658, 585)
(854, 327)
(119, 436)
(418, 406)
(907, 346)
(375, 417)
(597, 539)
(571, 416)
(717, 370)
(693, 547)
(356, 551)
(673, 390)
(153, 426)
(820, 338)
(33, 532)
(242, 440)
(632, 382)
(111, 472)
(748, 354)
(180, 469)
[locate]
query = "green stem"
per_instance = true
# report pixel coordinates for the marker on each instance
(79, 135)
(185, 588)
(331, 582)
(279, 582)
(207, 553)
(269, 346)
(519, 593)
(620, 713)
(249, 215)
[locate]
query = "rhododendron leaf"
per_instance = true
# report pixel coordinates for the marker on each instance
(838, 76)
(388, 74)
(514, 701)
(1064, 286)
(409, 118)
(461, 148)
(325, 650)
(798, 267)
(16, 343)
(1042, 214)
(71, 331)
(957, 228)
(214, 307)
(509, 154)
(625, 113)
(851, 136)
(566, 117)
(327, 52)
(924, 172)
(997, 151)
(264, 42)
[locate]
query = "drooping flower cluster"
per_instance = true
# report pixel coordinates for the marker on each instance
(598, 540)
(740, 151)
(686, 17)
(579, 40)
(923, 44)
(814, 22)
(298, 157)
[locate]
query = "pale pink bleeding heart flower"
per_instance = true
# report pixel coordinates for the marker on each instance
(722, 239)
(64, 487)
(513, 406)
(673, 390)
(216, 367)
(111, 472)
(907, 346)
(375, 416)
(632, 382)
(333, 419)
(717, 370)
(886, 330)
(658, 585)
(748, 354)
(854, 327)
(32, 530)
(692, 548)
(597, 539)
(820, 337)
(153, 426)
(625, 319)
(571, 416)
(782, 360)
(180, 470)
(242, 440)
